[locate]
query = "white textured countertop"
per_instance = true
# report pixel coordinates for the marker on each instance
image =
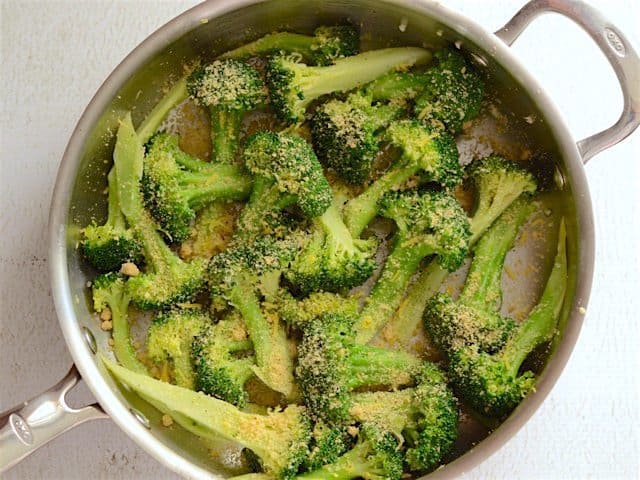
(55, 54)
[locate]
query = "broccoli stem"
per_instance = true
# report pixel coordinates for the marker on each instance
(393, 85)
(372, 366)
(128, 157)
(333, 225)
(219, 182)
(115, 218)
(173, 97)
(284, 41)
(349, 72)
(541, 323)
(359, 211)
(401, 328)
(482, 287)
(387, 294)
(273, 357)
(225, 131)
(265, 200)
(352, 464)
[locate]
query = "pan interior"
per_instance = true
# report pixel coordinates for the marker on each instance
(510, 125)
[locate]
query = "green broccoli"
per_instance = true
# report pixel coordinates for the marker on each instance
(327, 44)
(424, 416)
(331, 365)
(176, 185)
(212, 230)
(301, 312)
(492, 382)
(279, 439)
(169, 340)
(229, 89)
(221, 369)
(331, 259)
(176, 94)
(474, 318)
(376, 456)
(236, 275)
(328, 443)
(110, 293)
(430, 155)
(452, 95)
(347, 133)
(294, 85)
(287, 172)
(110, 245)
(428, 223)
(167, 279)
(498, 183)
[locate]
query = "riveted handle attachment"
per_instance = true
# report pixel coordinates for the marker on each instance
(623, 59)
(29, 426)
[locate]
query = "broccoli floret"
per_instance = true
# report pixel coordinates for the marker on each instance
(301, 312)
(169, 340)
(347, 133)
(474, 319)
(498, 183)
(220, 369)
(167, 279)
(428, 223)
(425, 417)
(430, 155)
(176, 185)
(110, 245)
(229, 89)
(109, 293)
(280, 438)
(294, 85)
(492, 383)
(327, 44)
(287, 172)
(212, 230)
(328, 443)
(452, 95)
(331, 365)
(376, 456)
(332, 260)
(235, 277)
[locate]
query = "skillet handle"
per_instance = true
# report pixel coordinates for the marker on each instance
(623, 59)
(29, 426)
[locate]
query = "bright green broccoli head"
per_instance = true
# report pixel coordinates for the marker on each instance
(110, 245)
(327, 444)
(169, 340)
(290, 164)
(333, 42)
(430, 222)
(105, 289)
(453, 325)
(452, 94)
(346, 135)
(302, 312)
(227, 85)
(331, 365)
(498, 182)
(222, 365)
(434, 154)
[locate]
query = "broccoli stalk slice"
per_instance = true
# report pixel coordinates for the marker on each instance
(327, 44)
(152, 121)
(168, 279)
(109, 290)
(541, 323)
(482, 287)
(492, 383)
(389, 290)
(274, 365)
(294, 85)
(373, 366)
(225, 131)
(278, 438)
(110, 245)
(498, 183)
(219, 182)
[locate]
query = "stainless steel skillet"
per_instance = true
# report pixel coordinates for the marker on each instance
(385, 17)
